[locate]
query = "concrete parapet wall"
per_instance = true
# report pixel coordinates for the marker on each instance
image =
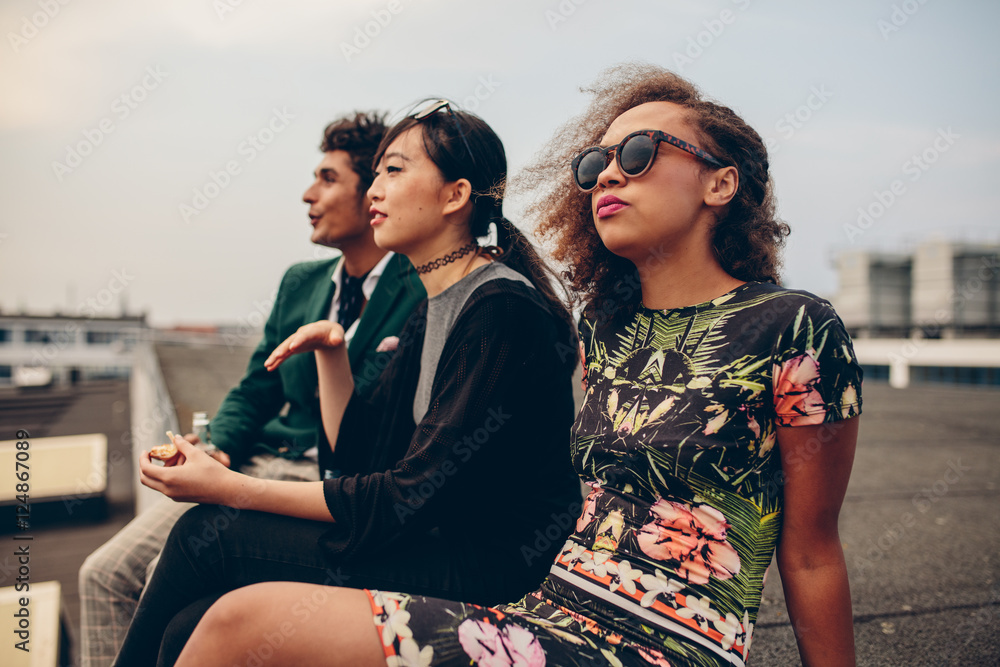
(153, 414)
(899, 354)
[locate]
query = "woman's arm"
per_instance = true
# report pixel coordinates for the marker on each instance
(336, 383)
(198, 478)
(492, 354)
(816, 462)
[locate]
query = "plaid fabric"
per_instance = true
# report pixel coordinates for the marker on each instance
(112, 578)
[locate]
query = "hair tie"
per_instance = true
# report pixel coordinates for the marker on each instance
(492, 234)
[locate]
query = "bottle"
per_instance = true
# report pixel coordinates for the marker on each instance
(199, 426)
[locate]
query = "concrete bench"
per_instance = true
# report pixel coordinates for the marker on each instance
(47, 645)
(68, 478)
(69, 465)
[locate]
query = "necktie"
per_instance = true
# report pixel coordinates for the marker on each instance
(351, 299)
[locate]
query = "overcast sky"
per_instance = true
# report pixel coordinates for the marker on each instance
(115, 113)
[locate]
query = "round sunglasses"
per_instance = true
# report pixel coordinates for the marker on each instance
(634, 154)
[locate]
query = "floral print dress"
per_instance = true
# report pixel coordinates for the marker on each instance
(676, 439)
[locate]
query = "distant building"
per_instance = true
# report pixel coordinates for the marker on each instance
(874, 296)
(941, 290)
(956, 290)
(930, 315)
(172, 372)
(58, 349)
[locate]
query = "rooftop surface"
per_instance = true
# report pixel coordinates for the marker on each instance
(198, 378)
(920, 525)
(921, 533)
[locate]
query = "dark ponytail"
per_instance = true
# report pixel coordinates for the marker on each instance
(520, 255)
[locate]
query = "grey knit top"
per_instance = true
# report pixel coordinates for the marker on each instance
(442, 310)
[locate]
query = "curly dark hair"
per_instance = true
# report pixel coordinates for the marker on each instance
(360, 136)
(747, 236)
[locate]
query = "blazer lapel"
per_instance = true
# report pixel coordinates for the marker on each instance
(319, 305)
(383, 303)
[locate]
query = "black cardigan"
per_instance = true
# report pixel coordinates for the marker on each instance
(485, 478)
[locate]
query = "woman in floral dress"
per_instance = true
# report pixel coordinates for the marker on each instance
(718, 427)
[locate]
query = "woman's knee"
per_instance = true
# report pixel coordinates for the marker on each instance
(201, 527)
(181, 628)
(233, 620)
(227, 615)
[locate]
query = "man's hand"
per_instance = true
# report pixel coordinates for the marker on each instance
(320, 335)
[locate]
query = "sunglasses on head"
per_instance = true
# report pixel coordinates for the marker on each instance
(634, 154)
(438, 105)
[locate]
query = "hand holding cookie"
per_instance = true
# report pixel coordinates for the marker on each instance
(166, 453)
(184, 472)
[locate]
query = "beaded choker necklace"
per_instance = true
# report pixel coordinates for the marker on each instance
(447, 259)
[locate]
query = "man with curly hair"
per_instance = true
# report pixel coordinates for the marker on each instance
(267, 425)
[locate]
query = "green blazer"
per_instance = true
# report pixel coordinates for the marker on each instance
(253, 418)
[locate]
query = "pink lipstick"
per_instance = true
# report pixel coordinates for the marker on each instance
(609, 205)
